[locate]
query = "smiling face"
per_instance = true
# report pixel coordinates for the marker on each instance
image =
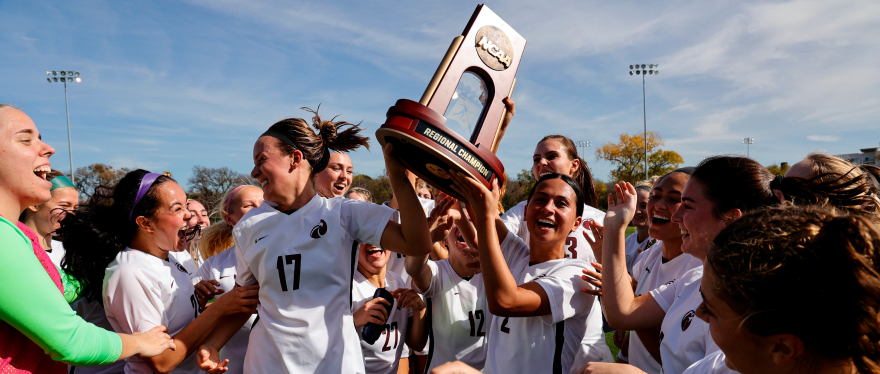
(551, 213)
(168, 223)
(745, 351)
(335, 180)
(24, 161)
(199, 214)
(244, 200)
(48, 215)
(664, 201)
(459, 252)
(273, 169)
(550, 157)
(372, 259)
(696, 220)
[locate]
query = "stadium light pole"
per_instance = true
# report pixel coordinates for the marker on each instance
(643, 70)
(66, 76)
(748, 142)
(583, 144)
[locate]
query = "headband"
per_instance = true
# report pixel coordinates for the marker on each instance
(317, 167)
(146, 183)
(61, 182)
(232, 194)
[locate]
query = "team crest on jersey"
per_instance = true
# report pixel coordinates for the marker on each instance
(686, 320)
(319, 230)
(180, 267)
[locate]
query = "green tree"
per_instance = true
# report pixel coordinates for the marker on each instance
(379, 187)
(628, 157)
(90, 177)
(779, 169)
(207, 185)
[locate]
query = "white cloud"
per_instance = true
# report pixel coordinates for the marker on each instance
(823, 138)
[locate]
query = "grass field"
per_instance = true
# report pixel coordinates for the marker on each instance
(610, 341)
(630, 230)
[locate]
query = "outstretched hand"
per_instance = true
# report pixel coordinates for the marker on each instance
(594, 278)
(597, 240)
(621, 212)
(208, 359)
(441, 219)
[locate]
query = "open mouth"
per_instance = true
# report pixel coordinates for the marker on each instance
(375, 253)
(659, 220)
(264, 183)
(339, 188)
(42, 171)
(685, 233)
(545, 223)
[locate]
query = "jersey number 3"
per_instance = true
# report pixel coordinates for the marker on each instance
(288, 260)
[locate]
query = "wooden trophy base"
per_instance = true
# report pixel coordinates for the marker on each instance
(429, 149)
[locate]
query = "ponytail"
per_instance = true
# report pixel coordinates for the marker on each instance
(295, 134)
(834, 182)
(99, 229)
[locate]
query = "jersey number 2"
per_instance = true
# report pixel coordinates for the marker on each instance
(477, 331)
(289, 259)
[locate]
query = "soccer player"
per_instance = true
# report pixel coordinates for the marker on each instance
(336, 178)
(558, 154)
(43, 219)
(302, 250)
(639, 241)
(541, 323)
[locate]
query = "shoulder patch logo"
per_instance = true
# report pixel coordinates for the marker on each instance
(686, 320)
(319, 230)
(179, 267)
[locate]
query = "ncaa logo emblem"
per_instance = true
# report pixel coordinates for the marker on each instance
(686, 320)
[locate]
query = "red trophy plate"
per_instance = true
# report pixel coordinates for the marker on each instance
(457, 124)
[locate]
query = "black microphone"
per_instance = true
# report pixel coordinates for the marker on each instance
(372, 331)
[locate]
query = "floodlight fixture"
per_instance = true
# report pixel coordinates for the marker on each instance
(643, 70)
(67, 76)
(55, 79)
(630, 73)
(49, 79)
(69, 73)
(54, 72)
(78, 79)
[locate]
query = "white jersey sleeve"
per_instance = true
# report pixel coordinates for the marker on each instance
(562, 286)
(244, 275)
(715, 363)
(365, 222)
(514, 219)
(135, 300)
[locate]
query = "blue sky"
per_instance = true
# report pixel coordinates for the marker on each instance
(168, 85)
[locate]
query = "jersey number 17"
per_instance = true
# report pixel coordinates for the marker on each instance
(288, 260)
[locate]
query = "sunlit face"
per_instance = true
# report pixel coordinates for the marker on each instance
(746, 352)
(24, 159)
(550, 157)
(664, 201)
(199, 214)
(48, 215)
(551, 214)
(640, 219)
(336, 178)
(170, 219)
(272, 169)
(372, 259)
(244, 200)
(696, 220)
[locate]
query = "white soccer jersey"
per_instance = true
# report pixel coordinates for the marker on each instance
(459, 317)
(221, 268)
(93, 312)
(714, 363)
(684, 338)
(304, 263)
(634, 249)
(56, 253)
(397, 260)
(651, 271)
(575, 245)
(383, 356)
(142, 291)
(185, 259)
(561, 342)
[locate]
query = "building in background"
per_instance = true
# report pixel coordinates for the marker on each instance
(869, 156)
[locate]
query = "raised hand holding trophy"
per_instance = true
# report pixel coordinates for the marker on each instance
(477, 73)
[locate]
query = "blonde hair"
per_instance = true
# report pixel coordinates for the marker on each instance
(218, 237)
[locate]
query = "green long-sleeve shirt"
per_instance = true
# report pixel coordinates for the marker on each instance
(30, 302)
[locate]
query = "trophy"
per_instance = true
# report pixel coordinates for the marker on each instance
(457, 123)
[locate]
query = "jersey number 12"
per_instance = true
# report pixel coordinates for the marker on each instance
(289, 259)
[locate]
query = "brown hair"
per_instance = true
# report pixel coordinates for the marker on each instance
(316, 146)
(582, 175)
(218, 237)
(785, 269)
(835, 182)
(733, 182)
(365, 193)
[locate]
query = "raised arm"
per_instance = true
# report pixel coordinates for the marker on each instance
(411, 237)
(440, 221)
(623, 309)
(504, 297)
